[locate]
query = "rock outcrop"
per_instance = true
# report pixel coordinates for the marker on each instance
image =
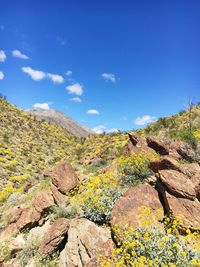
(137, 144)
(186, 211)
(178, 184)
(184, 150)
(157, 145)
(25, 218)
(128, 210)
(54, 238)
(64, 177)
(85, 241)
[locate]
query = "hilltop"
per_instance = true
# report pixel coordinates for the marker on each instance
(61, 119)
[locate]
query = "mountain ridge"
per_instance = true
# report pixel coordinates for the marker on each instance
(62, 119)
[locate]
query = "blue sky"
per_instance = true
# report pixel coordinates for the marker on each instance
(107, 64)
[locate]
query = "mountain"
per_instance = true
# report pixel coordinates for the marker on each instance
(61, 119)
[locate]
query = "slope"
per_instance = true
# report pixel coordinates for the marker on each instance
(61, 119)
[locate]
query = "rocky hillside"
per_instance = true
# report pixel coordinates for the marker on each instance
(115, 200)
(61, 119)
(28, 146)
(183, 126)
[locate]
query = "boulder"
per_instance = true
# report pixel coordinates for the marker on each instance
(186, 211)
(42, 201)
(24, 218)
(157, 145)
(85, 241)
(135, 138)
(165, 162)
(54, 238)
(136, 207)
(64, 177)
(137, 144)
(8, 231)
(168, 162)
(106, 252)
(14, 214)
(177, 183)
(59, 198)
(190, 169)
(28, 219)
(184, 150)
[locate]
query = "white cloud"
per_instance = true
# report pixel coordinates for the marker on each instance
(55, 78)
(108, 77)
(112, 130)
(2, 56)
(75, 88)
(102, 128)
(36, 75)
(93, 112)
(76, 99)
(69, 73)
(1, 75)
(99, 129)
(18, 54)
(44, 106)
(144, 120)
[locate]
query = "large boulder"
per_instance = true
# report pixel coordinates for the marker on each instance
(20, 218)
(184, 150)
(85, 241)
(178, 184)
(157, 145)
(14, 214)
(137, 144)
(42, 201)
(59, 198)
(28, 219)
(136, 207)
(54, 238)
(64, 177)
(186, 211)
(168, 162)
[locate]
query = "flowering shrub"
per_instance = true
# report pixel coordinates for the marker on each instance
(97, 195)
(151, 247)
(134, 168)
(7, 191)
(18, 179)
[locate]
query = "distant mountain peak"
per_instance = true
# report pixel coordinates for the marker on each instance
(62, 119)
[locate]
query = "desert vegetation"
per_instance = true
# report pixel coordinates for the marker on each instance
(108, 200)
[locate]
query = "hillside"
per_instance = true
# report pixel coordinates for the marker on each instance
(182, 126)
(28, 146)
(109, 200)
(61, 119)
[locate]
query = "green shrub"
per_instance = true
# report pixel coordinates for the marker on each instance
(62, 212)
(97, 195)
(134, 169)
(100, 213)
(29, 250)
(5, 252)
(187, 136)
